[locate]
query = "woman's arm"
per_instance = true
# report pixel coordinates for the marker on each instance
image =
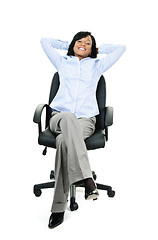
(114, 52)
(50, 45)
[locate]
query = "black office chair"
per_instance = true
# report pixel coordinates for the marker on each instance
(97, 140)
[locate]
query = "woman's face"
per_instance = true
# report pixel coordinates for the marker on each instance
(83, 47)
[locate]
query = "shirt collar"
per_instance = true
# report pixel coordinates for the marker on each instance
(73, 57)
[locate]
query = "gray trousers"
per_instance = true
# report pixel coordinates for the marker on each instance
(71, 161)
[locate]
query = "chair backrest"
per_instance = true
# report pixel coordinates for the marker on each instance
(100, 95)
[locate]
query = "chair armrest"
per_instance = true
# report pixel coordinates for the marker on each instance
(108, 116)
(38, 113)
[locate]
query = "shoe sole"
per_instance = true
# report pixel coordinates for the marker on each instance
(92, 197)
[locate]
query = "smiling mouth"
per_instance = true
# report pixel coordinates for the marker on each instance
(83, 49)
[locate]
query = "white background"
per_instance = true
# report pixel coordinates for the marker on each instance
(128, 162)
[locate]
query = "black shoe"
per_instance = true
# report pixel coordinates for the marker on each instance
(56, 219)
(92, 195)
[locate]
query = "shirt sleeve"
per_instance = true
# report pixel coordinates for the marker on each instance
(113, 53)
(50, 45)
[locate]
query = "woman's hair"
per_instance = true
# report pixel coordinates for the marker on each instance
(78, 36)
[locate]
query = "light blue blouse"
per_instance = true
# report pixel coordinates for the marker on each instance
(79, 78)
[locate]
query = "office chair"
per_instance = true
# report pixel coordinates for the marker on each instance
(97, 140)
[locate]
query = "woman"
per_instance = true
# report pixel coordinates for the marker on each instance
(73, 112)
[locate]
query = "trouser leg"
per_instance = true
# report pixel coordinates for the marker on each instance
(71, 163)
(61, 189)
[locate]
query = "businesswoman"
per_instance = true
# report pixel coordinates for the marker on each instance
(73, 112)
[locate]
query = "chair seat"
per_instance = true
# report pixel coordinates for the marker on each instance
(97, 140)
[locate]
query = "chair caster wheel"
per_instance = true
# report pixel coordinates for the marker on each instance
(73, 206)
(52, 176)
(38, 192)
(111, 193)
(94, 175)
